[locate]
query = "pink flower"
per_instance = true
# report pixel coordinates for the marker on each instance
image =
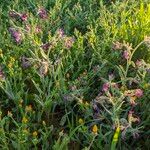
(38, 29)
(24, 17)
(69, 42)
(138, 93)
(60, 33)
(126, 54)
(105, 87)
(42, 13)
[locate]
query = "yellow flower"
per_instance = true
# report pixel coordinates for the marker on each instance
(95, 129)
(81, 121)
(116, 135)
(24, 120)
(35, 133)
(28, 108)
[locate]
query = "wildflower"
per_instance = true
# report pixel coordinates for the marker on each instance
(139, 63)
(46, 46)
(81, 121)
(116, 134)
(132, 100)
(117, 45)
(35, 133)
(126, 54)
(73, 87)
(24, 120)
(16, 35)
(68, 42)
(16, 15)
(42, 13)
(129, 93)
(105, 87)
(60, 33)
(28, 108)
(138, 93)
(38, 29)
(95, 129)
(23, 17)
(25, 62)
(131, 118)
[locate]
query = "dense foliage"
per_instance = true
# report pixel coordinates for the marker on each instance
(74, 74)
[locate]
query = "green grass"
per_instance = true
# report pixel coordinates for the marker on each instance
(86, 88)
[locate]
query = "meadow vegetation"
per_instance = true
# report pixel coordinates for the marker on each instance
(74, 74)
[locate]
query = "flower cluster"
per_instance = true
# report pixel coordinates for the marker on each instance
(22, 16)
(16, 34)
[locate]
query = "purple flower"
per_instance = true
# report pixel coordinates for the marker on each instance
(16, 35)
(42, 13)
(69, 42)
(138, 93)
(126, 54)
(105, 87)
(46, 46)
(16, 15)
(25, 62)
